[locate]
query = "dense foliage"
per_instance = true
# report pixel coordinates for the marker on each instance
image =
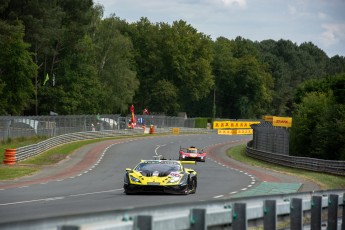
(319, 120)
(63, 56)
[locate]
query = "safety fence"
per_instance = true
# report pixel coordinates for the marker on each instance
(313, 164)
(25, 152)
(269, 138)
(28, 126)
(318, 210)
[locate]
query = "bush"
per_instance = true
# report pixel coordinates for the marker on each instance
(201, 122)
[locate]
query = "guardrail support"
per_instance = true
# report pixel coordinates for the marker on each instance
(296, 214)
(143, 222)
(316, 209)
(332, 212)
(68, 227)
(270, 217)
(343, 216)
(239, 217)
(198, 219)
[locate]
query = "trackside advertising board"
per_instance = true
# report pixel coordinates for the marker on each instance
(233, 124)
(282, 121)
(175, 130)
(235, 131)
(268, 118)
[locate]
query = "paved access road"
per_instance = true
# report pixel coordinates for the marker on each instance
(91, 179)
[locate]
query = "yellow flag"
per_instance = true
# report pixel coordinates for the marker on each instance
(46, 79)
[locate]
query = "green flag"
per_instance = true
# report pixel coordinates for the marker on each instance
(46, 79)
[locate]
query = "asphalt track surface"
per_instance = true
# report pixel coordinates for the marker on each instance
(91, 180)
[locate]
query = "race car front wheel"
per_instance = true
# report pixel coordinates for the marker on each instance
(192, 186)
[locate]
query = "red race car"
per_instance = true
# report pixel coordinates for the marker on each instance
(192, 153)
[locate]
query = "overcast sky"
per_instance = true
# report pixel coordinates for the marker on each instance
(321, 22)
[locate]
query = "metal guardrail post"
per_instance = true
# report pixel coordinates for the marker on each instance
(198, 219)
(68, 227)
(316, 209)
(270, 216)
(332, 212)
(296, 214)
(343, 216)
(143, 222)
(239, 217)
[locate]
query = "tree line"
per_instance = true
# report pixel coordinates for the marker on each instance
(64, 56)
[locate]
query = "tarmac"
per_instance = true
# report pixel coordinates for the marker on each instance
(271, 182)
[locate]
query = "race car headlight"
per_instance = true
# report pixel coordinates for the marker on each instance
(134, 179)
(184, 179)
(174, 180)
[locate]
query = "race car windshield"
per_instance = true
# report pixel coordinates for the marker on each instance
(158, 167)
(191, 151)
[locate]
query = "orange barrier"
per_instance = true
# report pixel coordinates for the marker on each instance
(10, 156)
(152, 129)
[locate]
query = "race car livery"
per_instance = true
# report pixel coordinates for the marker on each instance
(160, 176)
(192, 153)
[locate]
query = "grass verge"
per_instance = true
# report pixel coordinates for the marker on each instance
(18, 142)
(325, 180)
(34, 164)
(57, 154)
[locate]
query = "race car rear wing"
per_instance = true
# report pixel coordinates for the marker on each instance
(188, 162)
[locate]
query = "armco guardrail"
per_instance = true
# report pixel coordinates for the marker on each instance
(291, 210)
(25, 152)
(313, 164)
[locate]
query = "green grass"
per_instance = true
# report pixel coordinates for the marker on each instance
(34, 164)
(12, 172)
(16, 143)
(57, 154)
(326, 181)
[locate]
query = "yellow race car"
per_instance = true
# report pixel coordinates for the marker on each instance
(160, 176)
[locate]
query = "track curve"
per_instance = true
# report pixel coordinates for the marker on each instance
(92, 179)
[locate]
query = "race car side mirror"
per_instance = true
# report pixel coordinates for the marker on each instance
(128, 169)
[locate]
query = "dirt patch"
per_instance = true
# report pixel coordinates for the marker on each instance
(56, 157)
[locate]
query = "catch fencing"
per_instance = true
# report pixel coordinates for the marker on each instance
(49, 126)
(310, 210)
(271, 144)
(270, 138)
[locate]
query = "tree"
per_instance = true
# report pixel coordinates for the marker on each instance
(16, 70)
(165, 96)
(115, 69)
(319, 122)
(190, 53)
(176, 53)
(243, 82)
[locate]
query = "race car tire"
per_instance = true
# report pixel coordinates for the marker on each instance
(192, 186)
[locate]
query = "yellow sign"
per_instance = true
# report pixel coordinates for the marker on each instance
(235, 131)
(233, 124)
(282, 121)
(176, 130)
(268, 118)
